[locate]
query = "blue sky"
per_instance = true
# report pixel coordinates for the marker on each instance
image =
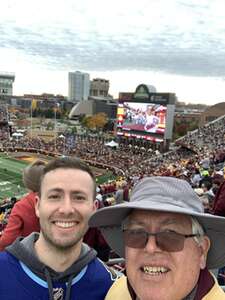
(177, 46)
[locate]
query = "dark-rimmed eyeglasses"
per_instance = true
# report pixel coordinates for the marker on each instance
(166, 240)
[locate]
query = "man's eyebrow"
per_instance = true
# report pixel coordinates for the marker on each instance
(78, 192)
(135, 222)
(167, 221)
(59, 190)
(55, 190)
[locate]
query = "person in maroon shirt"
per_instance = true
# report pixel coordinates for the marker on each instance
(219, 209)
(22, 220)
(219, 201)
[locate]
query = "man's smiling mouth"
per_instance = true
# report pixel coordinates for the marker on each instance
(63, 224)
(154, 270)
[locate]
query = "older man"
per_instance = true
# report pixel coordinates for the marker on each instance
(168, 243)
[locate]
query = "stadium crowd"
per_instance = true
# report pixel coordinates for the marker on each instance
(202, 149)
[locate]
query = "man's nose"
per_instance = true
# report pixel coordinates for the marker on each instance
(151, 245)
(66, 206)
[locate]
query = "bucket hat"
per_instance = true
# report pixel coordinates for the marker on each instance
(163, 194)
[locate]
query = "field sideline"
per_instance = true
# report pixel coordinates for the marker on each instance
(11, 183)
(11, 177)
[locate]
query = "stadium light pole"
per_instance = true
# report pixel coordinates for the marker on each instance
(55, 109)
(8, 120)
(55, 126)
(31, 120)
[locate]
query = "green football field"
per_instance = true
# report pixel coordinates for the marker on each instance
(11, 177)
(11, 183)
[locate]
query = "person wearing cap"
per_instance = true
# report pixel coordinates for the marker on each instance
(168, 242)
(22, 220)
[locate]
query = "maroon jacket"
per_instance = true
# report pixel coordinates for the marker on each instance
(219, 201)
(95, 239)
(22, 221)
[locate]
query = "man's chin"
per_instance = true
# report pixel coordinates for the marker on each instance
(61, 242)
(65, 245)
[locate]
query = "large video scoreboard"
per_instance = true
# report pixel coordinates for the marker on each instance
(146, 115)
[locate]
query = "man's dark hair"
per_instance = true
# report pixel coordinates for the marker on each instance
(68, 163)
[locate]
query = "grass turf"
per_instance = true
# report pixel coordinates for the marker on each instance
(11, 177)
(11, 183)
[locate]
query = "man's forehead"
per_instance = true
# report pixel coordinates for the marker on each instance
(67, 172)
(164, 217)
(62, 190)
(66, 169)
(61, 177)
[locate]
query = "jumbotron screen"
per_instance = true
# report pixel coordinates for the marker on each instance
(141, 120)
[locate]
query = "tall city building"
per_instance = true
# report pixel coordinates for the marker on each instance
(6, 83)
(79, 86)
(99, 87)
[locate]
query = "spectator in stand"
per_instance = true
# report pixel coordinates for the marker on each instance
(219, 209)
(119, 195)
(22, 220)
(206, 178)
(217, 180)
(126, 192)
(94, 239)
(219, 201)
(196, 178)
(208, 191)
(122, 193)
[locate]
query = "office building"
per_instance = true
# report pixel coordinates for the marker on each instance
(79, 86)
(6, 83)
(99, 87)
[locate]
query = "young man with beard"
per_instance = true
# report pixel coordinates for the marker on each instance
(55, 264)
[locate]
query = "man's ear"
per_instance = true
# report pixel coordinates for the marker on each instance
(95, 205)
(37, 205)
(205, 245)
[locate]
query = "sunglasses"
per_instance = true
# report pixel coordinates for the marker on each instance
(169, 241)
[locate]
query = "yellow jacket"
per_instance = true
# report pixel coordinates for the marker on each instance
(119, 291)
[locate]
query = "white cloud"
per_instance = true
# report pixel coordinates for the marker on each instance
(182, 39)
